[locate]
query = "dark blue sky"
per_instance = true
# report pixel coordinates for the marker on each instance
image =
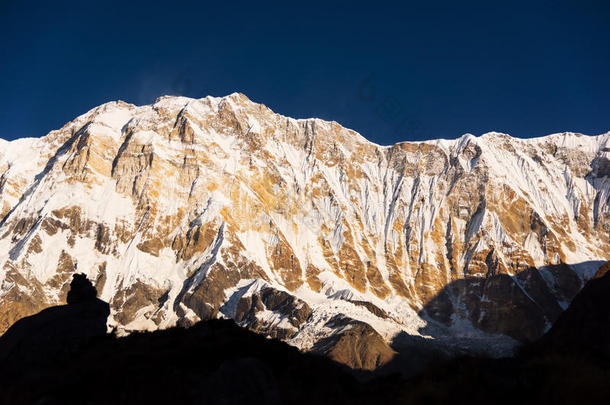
(391, 71)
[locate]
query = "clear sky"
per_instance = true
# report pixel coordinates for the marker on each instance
(392, 71)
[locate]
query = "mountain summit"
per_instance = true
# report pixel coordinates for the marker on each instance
(193, 209)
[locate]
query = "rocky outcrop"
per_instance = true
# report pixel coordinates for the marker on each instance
(356, 344)
(272, 312)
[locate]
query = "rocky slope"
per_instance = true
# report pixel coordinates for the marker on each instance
(301, 229)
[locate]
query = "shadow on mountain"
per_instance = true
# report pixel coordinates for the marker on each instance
(63, 355)
(570, 364)
(521, 306)
(56, 331)
(487, 310)
(584, 328)
(217, 362)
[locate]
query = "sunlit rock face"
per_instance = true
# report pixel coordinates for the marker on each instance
(218, 207)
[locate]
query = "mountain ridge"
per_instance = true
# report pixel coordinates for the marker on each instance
(182, 209)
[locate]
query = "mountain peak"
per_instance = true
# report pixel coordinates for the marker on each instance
(180, 208)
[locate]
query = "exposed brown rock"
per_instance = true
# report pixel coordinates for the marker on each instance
(52, 225)
(605, 268)
(207, 297)
(285, 305)
(372, 308)
(16, 304)
(151, 246)
(35, 245)
(135, 297)
(100, 279)
(14, 307)
(358, 345)
(376, 281)
(311, 273)
(285, 262)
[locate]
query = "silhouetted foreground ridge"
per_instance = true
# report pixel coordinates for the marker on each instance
(62, 356)
(570, 364)
(57, 331)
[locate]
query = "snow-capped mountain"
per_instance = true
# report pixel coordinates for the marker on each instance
(193, 209)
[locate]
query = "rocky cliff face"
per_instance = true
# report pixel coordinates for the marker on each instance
(197, 209)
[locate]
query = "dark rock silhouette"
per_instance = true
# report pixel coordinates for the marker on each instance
(583, 328)
(81, 290)
(212, 362)
(218, 362)
(522, 306)
(569, 364)
(56, 331)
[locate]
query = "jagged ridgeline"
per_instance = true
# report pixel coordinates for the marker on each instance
(302, 229)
